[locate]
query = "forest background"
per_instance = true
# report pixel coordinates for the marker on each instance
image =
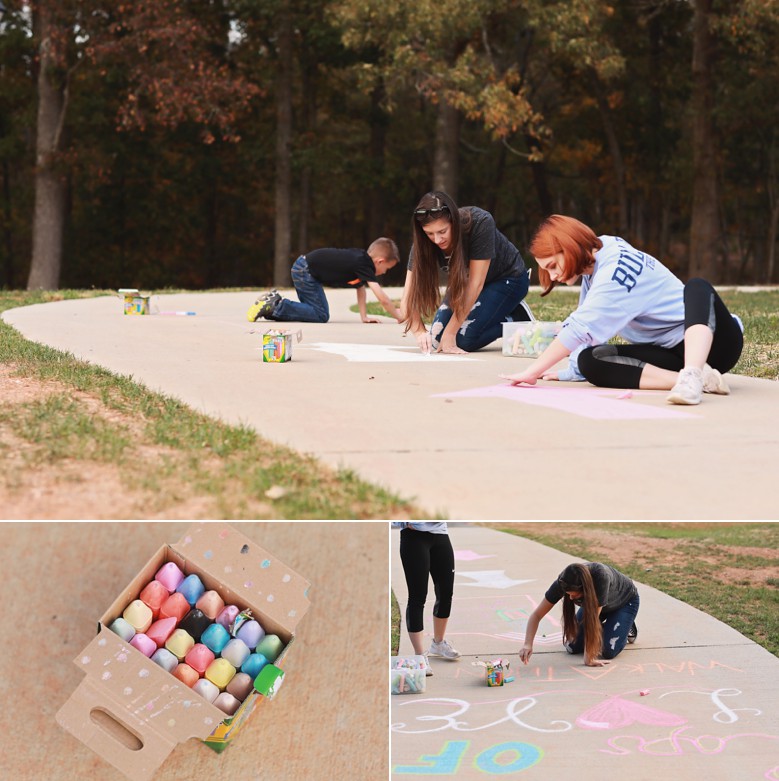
(206, 143)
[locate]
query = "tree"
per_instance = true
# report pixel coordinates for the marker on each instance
(176, 74)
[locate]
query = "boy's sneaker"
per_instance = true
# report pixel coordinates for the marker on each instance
(522, 314)
(688, 388)
(443, 649)
(713, 382)
(633, 633)
(263, 306)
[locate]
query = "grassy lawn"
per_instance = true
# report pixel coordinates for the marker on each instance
(92, 420)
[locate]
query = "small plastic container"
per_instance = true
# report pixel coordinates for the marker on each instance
(529, 339)
(407, 674)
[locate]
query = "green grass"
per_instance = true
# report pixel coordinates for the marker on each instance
(759, 312)
(394, 624)
(710, 566)
(159, 445)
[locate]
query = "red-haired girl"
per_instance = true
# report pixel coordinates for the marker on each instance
(682, 337)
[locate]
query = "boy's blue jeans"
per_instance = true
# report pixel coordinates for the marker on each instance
(616, 626)
(312, 307)
(484, 323)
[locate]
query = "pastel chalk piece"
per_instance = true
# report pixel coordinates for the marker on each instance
(186, 674)
(206, 689)
(215, 637)
(153, 595)
(251, 633)
(122, 628)
(240, 686)
(175, 606)
(180, 643)
(227, 616)
(644, 692)
(236, 652)
(270, 647)
(253, 664)
(192, 588)
(138, 614)
(220, 672)
(226, 702)
(170, 575)
(144, 644)
(210, 603)
(269, 681)
(195, 622)
(199, 657)
(165, 659)
(161, 630)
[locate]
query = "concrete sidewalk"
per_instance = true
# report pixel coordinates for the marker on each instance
(692, 699)
(443, 430)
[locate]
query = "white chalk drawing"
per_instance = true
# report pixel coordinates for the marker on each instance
(383, 353)
(724, 715)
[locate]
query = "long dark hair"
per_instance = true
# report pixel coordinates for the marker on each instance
(424, 296)
(577, 577)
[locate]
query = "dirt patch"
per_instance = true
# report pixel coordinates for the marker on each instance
(37, 488)
(624, 548)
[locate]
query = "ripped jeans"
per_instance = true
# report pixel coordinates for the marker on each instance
(498, 302)
(615, 625)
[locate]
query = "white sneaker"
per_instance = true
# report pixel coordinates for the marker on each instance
(443, 649)
(714, 382)
(688, 388)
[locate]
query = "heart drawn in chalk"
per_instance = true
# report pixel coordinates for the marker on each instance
(616, 712)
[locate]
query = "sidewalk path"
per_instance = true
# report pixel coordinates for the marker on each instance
(444, 430)
(709, 710)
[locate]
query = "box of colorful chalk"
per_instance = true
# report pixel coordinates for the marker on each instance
(277, 345)
(529, 339)
(190, 648)
(407, 674)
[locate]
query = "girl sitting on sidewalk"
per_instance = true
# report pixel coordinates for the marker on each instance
(605, 621)
(682, 337)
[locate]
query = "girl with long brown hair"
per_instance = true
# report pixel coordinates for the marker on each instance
(605, 621)
(681, 337)
(486, 277)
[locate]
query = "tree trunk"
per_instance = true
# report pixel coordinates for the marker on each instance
(283, 227)
(50, 191)
(615, 151)
(447, 143)
(377, 201)
(8, 244)
(704, 227)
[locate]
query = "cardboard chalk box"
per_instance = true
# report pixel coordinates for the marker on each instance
(529, 339)
(133, 712)
(135, 303)
(277, 345)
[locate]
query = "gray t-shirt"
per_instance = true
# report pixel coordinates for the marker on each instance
(485, 242)
(612, 588)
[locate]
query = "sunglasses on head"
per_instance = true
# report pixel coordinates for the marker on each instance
(435, 212)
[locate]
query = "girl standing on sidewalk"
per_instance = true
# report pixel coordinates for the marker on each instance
(486, 278)
(682, 337)
(426, 551)
(605, 621)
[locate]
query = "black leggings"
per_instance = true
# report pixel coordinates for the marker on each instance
(425, 555)
(621, 365)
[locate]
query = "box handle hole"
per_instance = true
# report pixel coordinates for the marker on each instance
(116, 729)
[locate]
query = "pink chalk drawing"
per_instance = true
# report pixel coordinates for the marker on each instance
(616, 712)
(469, 555)
(588, 402)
